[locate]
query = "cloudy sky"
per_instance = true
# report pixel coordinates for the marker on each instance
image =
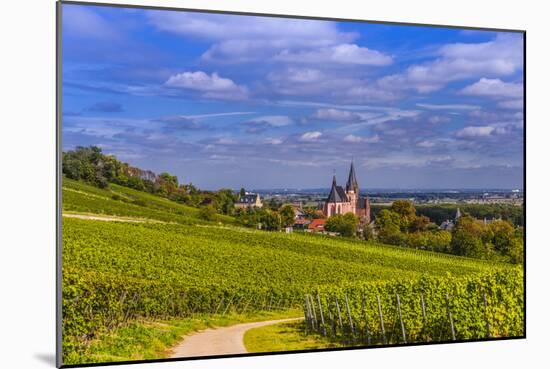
(261, 102)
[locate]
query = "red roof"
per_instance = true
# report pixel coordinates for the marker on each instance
(317, 224)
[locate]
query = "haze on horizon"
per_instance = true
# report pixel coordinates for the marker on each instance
(227, 101)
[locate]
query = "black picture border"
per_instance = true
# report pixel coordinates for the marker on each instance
(58, 216)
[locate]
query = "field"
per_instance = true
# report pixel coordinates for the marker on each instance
(116, 273)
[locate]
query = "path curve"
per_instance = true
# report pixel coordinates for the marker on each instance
(219, 341)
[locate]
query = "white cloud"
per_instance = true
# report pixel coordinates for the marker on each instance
(311, 136)
(214, 115)
(238, 39)
(494, 88)
(211, 86)
(274, 141)
(237, 27)
(272, 120)
(476, 131)
(311, 82)
(359, 139)
(336, 114)
(499, 57)
(426, 144)
(339, 54)
(448, 106)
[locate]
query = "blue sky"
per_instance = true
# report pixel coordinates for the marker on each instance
(261, 102)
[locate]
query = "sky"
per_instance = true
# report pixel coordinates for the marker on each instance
(231, 101)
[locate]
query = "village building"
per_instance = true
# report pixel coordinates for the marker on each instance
(448, 225)
(249, 200)
(340, 201)
(316, 225)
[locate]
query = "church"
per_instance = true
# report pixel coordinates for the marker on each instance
(342, 201)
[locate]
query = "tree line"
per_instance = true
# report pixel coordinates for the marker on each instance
(401, 225)
(91, 165)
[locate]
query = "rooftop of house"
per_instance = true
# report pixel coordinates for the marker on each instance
(248, 198)
(317, 223)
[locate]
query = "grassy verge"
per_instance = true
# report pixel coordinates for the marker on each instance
(144, 339)
(288, 336)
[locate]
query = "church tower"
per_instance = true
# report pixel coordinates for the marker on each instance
(352, 188)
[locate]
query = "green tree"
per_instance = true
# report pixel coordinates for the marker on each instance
(369, 233)
(438, 240)
(388, 224)
(406, 211)
(346, 225)
(207, 212)
(271, 220)
(468, 238)
(419, 223)
(287, 215)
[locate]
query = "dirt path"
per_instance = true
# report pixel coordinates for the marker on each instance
(110, 218)
(219, 341)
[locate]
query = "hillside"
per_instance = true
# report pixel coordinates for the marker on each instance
(117, 271)
(79, 197)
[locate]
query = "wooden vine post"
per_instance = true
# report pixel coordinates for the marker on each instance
(382, 329)
(403, 334)
(323, 327)
(339, 315)
(352, 328)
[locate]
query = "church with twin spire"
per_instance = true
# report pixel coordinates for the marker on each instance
(340, 201)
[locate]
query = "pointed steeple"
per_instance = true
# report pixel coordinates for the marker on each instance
(336, 192)
(352, 184)
(458, 214)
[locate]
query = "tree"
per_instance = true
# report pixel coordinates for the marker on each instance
(501, 234)
(388, 224)
(468, 238)
(345, 225)
(419, 223)
(271, 220)
(369, 233)
(287, 216)
(242, 192)
(207, 212)
(438, 240)
(406, 211)
(418, 240)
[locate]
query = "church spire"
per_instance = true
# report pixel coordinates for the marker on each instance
(352, 184)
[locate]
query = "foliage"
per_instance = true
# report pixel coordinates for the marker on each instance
(126, 202)
(345, 225)
(207, 212)
(90, 165)
(400, 225)
(462, 297)
(287, 215)
(440, 213)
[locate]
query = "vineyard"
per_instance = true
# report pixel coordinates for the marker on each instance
(124, 201)
(431, 309)
(118, 272)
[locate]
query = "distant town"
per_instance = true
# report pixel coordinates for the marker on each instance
(312, 197)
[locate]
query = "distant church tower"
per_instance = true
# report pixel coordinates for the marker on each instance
(340, 201)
